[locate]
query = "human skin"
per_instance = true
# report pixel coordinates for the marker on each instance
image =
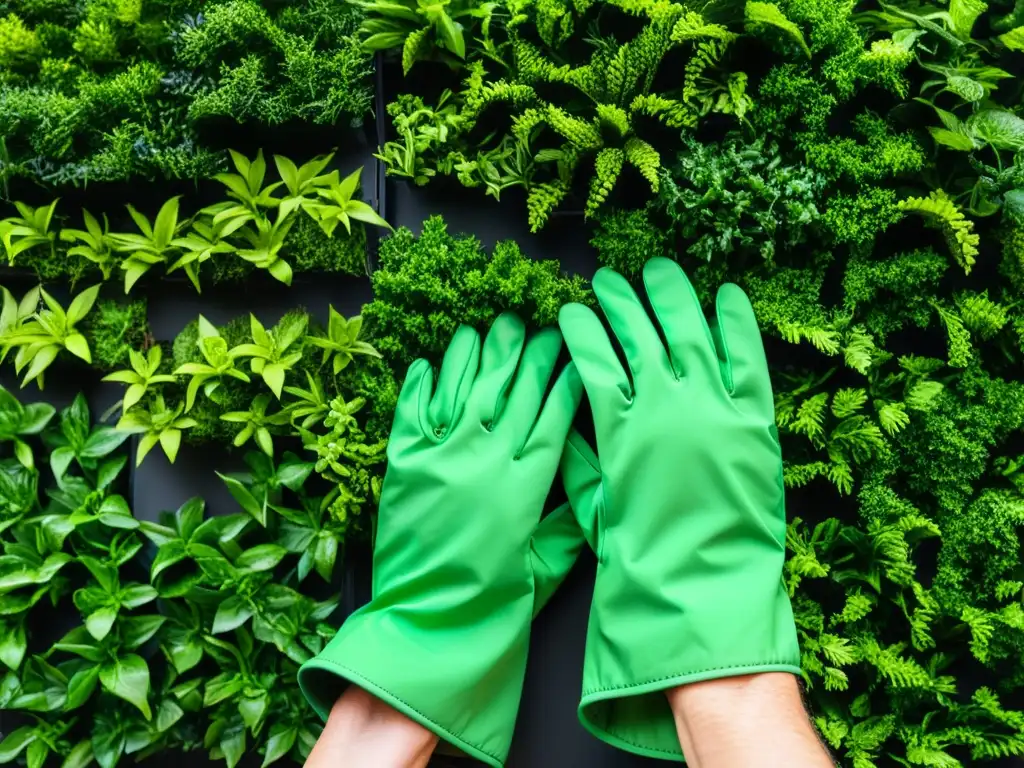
(362, 731)
(746, 720)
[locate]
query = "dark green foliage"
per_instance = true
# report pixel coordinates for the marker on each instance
(426, 286)
(605, 128)
(110, 91)
(98, 667)
(738, 197)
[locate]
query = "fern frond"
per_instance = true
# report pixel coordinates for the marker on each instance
(939, 211)
(981, 315)
(645, 159)
(610, 116)
(579, 133)
(542, 200)
(960, 350)
(693, 26)
(607, 169)
(892, 416)
(847, 401)
(673, 113)
(760, 15)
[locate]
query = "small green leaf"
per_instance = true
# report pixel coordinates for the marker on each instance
(99, 622)
(231, 614)
(128, 678)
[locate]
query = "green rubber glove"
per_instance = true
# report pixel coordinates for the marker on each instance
(685, 510)
(462, 560)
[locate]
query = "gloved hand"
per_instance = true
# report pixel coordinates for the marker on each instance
(685, 510)
(462, 559)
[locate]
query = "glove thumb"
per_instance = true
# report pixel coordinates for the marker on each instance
(581, 475)
(553, 550)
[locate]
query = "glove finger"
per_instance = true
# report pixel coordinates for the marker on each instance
(555, 421)
(410, 412)
(603, 377)
(632, 325)
(458, 371)
(553, 551)
(581, 476)
(675, 304)
(498, 360)
(741, 351)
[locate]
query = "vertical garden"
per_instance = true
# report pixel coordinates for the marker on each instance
(228, 226)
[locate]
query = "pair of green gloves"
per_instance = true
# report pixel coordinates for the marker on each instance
(683, 506)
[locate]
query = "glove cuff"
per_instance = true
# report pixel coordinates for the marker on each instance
(464, 687)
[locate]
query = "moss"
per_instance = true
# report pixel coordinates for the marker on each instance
(115, 328)
(309, 249)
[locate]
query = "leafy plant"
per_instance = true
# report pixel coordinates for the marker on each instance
(219, 363)
(93, 449)
(141, 377)
(339, 205)
(96, 244)
(226, 635)
(18, 421)
(342, 341)
(42, 335)
(257, 424)
(29, 230)
(269, 354)
(426, 31)
(153, 246)
(157, 423)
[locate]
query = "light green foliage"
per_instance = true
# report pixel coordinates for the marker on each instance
(438, 31)
(956, 228)
(157, 423)
(114, 90)
(253, 228)
(342, 343)
(141, 376)
(48, 330)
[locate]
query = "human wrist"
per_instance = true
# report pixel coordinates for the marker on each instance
(719, 720)
(363, 730)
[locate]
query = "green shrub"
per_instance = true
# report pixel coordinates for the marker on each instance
(125, 639)
(426, 286)
(112, 91)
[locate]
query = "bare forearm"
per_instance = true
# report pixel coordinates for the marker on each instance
(747, 720)
(363, 730)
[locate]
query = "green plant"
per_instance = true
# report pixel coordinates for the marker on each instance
(153, 246)
(157, 423)
(212, 655)
(268, 353)
(427, 31)
(92, 448)
(208, 375)
(39, 337)
(609, 95)
(97, 246)
(342, 341)
(18, 421)
(29, 230)
(257, 424)
(141, 377)
(120, 92)
(339, 205)
(233, 236)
